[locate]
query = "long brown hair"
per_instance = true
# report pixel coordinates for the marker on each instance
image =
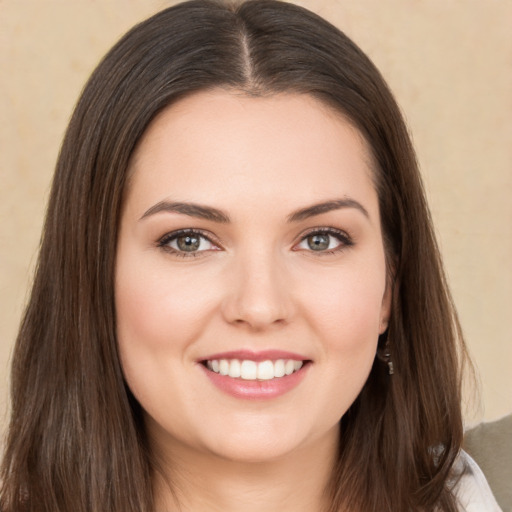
(76, 441)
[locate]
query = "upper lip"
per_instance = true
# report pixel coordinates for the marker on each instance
(262, 355)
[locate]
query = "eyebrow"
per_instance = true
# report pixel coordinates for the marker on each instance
(215, 215)
(190, 209)
(317, 209)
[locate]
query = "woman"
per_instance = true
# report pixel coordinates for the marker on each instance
(239, 301)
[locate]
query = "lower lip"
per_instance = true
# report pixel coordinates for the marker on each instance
(257, 389)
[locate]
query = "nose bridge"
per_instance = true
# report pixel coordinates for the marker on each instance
(257, 295)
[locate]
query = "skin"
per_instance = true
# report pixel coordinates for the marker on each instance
(257, 285)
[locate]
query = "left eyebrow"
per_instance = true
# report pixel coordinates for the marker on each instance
(317, 209)
(191, 209)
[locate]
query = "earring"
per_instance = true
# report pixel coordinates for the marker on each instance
(384, 354)
(387, 359)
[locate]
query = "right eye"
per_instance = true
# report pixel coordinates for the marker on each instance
(325, 240)
(187, 243)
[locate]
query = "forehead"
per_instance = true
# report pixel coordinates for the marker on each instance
(216, 144)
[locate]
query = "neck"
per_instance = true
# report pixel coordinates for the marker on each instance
(196, 481)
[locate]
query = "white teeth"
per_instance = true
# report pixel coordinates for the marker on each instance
(248, 370)
(266, 370)
(223, 366)
(234, 369)
(251, 370)
(279, 368)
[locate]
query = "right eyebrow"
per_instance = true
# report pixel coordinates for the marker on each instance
(327, 206)
(190, 209)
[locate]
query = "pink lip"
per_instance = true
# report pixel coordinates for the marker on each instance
(256, 389)
(263, 355)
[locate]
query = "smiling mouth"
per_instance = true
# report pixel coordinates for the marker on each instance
(247, 369)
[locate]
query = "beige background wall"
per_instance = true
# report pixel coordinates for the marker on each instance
(449, 63)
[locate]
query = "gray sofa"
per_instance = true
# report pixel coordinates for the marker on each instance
(490, 444)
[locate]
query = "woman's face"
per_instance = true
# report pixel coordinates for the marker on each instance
(250, 247)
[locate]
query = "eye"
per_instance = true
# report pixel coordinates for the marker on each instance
(326, 240)
(187, 242)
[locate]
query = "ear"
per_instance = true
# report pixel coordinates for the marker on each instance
(385, 310)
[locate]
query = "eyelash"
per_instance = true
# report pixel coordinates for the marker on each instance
(343, 237)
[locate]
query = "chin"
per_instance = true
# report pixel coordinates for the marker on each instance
(260, 442)
(254, 451)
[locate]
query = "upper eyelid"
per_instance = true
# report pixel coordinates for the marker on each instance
(325, 230)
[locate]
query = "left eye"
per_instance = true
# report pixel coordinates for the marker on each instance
(324, 241)
(187, 242)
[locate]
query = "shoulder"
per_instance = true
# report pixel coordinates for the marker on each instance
(471, 489)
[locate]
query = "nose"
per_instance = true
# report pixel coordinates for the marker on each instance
(258, 293)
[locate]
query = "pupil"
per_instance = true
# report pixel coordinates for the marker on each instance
(318, 242)
(188, 243)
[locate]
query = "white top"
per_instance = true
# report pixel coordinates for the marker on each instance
(473, 491)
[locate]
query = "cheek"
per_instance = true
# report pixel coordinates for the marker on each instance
(160, 314)
(348, 325)
(346, 308)
(158, 309)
